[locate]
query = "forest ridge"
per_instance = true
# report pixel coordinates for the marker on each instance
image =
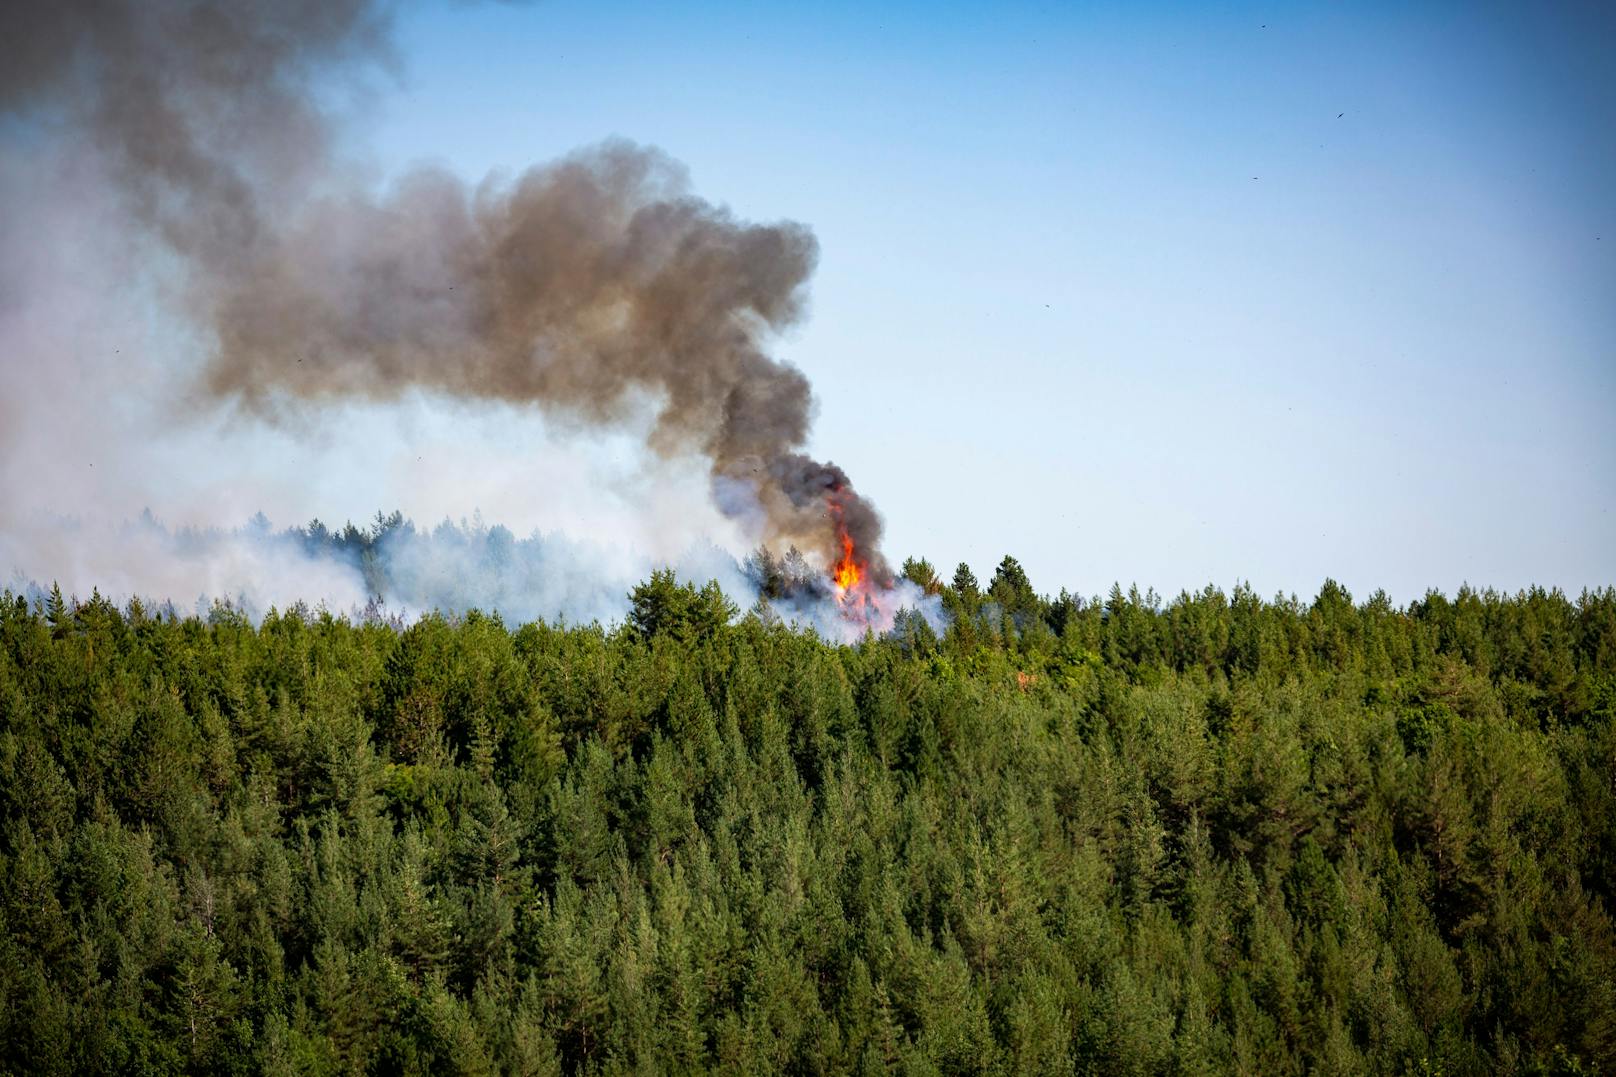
(1217, 834)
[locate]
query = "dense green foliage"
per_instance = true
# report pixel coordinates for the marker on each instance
(1121, 836)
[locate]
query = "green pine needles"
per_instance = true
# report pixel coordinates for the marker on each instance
(1217, 834)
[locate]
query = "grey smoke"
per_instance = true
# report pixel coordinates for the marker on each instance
(578, 287)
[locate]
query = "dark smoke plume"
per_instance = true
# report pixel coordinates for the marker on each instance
(579, 287)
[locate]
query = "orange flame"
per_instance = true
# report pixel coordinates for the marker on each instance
(847, 572)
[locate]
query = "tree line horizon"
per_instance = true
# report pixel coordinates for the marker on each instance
(772, 573)
(1216, 834)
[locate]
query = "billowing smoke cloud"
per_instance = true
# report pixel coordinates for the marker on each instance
(203, 108)
(581, 287)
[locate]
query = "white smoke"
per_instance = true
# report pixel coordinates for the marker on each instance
(878, 611)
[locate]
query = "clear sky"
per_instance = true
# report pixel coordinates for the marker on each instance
(1166, 294)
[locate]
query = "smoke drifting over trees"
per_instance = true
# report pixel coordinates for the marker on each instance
(582, 287)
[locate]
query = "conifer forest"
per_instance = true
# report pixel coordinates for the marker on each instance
(1119, 835)
(624, 740)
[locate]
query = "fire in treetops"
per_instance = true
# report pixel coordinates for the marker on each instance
(851, 572)
(841, 534)
(847, 573)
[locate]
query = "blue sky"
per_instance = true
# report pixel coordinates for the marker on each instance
(1174, 295)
